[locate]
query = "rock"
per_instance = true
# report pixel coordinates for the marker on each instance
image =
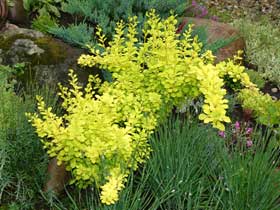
(3, 13)
(8, 26)
(24, 46)
(274, 98)
(12, 30)
(216, 31)
(48, 59)
(57, 177)
(274, 90)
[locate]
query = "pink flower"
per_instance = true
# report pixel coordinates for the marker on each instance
(194, 3)
(204, 11)
(237, 125)
(222, 134)
(249, 143)
(249, 131)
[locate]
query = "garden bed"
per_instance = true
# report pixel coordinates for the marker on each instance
(148, 119)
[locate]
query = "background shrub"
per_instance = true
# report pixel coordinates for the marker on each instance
(262, 46)
(256, 78)
(107, 13)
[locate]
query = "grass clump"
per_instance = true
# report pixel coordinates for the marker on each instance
(182, 165)
(250, 178)
(191, 167)
(23, 161)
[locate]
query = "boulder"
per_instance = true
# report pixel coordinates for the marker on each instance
(216, 31)
(48, 60)
(58, 177)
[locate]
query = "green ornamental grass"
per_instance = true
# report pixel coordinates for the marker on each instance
(191, 168)
(23, 161)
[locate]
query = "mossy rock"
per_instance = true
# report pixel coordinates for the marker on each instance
(47, 60)
(7, 41)
(54, 50)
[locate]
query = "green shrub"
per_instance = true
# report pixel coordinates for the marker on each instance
(262, 46)
(78, 34)
(107, 13)
(256, 78)
(265, 109)
(43, 23)
(47, 12)
(191, 168)
(43, 7)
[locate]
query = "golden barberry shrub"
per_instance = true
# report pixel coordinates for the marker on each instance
(104, 134)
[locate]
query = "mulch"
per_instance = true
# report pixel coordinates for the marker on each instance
(241, 8)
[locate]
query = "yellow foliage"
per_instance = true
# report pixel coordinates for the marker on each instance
(266, 110)
(104, 134)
